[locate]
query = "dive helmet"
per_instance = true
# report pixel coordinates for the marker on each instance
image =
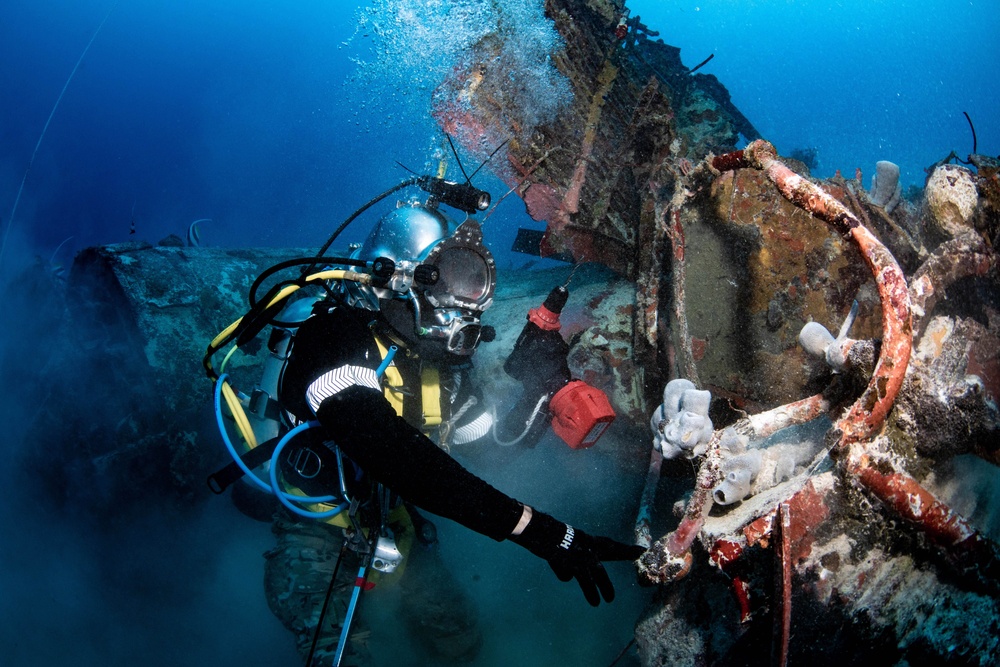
(439, 268)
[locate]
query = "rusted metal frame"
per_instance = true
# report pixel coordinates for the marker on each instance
(670, 558)
(968, 549)
(644, 518)
(724, 554)
(670, 226)
(570, 204)
(866, 416)
(858, 427)
(727, 552)
(670, 223)
(765, 424)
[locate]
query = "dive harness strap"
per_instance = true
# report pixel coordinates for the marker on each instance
(222, 479)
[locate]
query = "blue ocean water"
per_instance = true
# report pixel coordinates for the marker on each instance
(858, 80)
(258, 116)
(275, 121)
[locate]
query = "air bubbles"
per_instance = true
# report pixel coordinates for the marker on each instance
(418, 48)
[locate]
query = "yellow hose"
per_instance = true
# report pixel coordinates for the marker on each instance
(235, 407)
(225, 359)
(287, 291)
(239, 415)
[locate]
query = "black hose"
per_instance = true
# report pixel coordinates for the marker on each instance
(253, 320)
(299, 261)
(973, 128)
(399, 186)
(701, 64)
(326, 604)
(622, 654)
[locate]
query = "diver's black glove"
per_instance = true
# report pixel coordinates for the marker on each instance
(572, 553)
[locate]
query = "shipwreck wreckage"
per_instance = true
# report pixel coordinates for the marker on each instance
(867, 527)
(642, 175)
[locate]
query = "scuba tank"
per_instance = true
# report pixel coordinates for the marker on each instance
(263, 403)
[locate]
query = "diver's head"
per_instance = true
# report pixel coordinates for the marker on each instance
(443, 278)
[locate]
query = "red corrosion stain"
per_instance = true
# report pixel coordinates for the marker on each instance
(758, 532)
(796, 244)
(725, 551)
(543, 202)
(677, 236)
(741, 591)
(626, 310)
(698, 347)
(807, 510)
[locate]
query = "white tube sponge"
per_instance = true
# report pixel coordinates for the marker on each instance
(680, 424)
(814, 339)
(668, 410)
(672, 395)
(738, 474)
(886, 190)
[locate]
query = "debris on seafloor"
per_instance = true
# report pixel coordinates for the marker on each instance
(835, 520)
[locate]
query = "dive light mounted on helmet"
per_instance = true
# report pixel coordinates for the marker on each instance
(463, 196)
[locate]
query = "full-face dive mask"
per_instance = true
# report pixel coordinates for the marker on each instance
(442, 272)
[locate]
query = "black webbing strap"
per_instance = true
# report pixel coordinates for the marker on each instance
(220, 480)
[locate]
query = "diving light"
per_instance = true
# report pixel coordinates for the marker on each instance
(463, 196)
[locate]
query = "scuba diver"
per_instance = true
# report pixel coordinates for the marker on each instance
(361, 379)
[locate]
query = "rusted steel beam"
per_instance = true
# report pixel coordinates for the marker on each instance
(968, 549)
(643, 521)
(792, 541)
(670, 222)
(783, 586)
(723, 554)
(767, 423)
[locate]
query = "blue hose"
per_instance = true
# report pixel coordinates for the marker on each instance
(286, 499)
(345, 631)
(389, 354)
(272, 488)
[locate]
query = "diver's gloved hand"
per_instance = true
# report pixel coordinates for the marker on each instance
(573, 554)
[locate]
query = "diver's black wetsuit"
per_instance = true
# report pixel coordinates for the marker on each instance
(331, 376)
(338, 341)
